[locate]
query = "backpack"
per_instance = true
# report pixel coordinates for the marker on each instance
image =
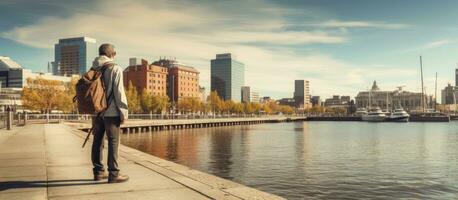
(90, 92)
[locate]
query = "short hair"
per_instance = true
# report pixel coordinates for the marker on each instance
(107, 50)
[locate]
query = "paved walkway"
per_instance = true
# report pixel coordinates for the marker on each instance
(41, 161)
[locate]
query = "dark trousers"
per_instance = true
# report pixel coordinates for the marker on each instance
(110, 125)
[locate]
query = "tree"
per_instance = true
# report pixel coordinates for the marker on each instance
(133, 100)
(160, 104)
(286, 110)
(184, 105)
(248, 107)
(316, 109)
(256, 107)
(46, 95)
(66, 103)
(146, 102)
(228, 106)
(238, 108)
(215, 102)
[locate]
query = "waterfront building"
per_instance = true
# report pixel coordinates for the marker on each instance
(315, 100)
(254, 96)
(202, 94)
(144, 76)
(449, 94)
(182, 80)
(287, 102)
(392, 99)
(245, 94)
(302, 94)
(13, 78)
(266, 99)
(13, 75)
(337, 102)
(227, 77)
(74, 55)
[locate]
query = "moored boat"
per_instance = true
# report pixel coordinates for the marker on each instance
(399, 115)
(374, 115)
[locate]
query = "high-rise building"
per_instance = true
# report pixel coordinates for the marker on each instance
(449, 95)
(144, 76)
(254, 96)
(302, 93)
(182, 80)
(227, 77)
(456, 77)
(74, 55)
(246, 94)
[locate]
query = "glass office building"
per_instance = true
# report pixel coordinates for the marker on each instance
(74, 55)
(227, 77)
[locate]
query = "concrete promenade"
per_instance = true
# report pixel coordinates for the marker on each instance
(46, 161)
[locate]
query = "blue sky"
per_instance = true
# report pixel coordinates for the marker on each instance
(340, 46)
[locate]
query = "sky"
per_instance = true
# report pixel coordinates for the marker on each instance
(341, 47)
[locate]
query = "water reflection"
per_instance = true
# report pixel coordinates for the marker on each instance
(320, 160)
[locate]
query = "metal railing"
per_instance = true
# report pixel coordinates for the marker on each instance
(23, 118)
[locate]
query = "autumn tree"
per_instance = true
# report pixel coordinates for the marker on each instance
(215, 102)
(133, 99)
(238, 108)
(66, 103)
(146, 102)
(248, 107)
(46, 95)
(160, 103)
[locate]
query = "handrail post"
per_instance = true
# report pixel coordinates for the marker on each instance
(9, 120)
(25, 119)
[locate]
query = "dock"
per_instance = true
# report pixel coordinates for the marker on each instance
(46, 161)
(136, 126)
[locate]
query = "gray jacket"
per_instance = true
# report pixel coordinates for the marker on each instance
(113, 80)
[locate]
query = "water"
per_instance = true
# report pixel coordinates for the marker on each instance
(320, 160)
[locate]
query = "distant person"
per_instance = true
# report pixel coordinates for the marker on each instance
(111, 119)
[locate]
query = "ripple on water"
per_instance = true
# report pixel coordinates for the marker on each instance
(321, 160)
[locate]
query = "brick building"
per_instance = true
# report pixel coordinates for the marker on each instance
(146, 76)
(183, 81)
(163, 77)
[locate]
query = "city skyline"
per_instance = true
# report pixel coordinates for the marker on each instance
(339, 47)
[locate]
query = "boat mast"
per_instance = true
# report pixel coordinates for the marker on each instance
(387, 101)
(422, 87)
(370, 90)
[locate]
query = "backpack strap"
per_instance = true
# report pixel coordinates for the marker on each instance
(111, 95)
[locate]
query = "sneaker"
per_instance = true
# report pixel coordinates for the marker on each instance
(101, 175)
(118, 179)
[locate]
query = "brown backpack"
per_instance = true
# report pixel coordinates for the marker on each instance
(90, 92)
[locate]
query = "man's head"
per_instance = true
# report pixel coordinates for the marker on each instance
(107, 50)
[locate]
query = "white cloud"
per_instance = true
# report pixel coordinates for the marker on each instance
(360, 24)
(435, 44)
(428, 46)
(194, 34)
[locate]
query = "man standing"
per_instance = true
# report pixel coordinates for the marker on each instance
(111, 119)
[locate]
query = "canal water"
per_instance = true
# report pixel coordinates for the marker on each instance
(320, 160)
